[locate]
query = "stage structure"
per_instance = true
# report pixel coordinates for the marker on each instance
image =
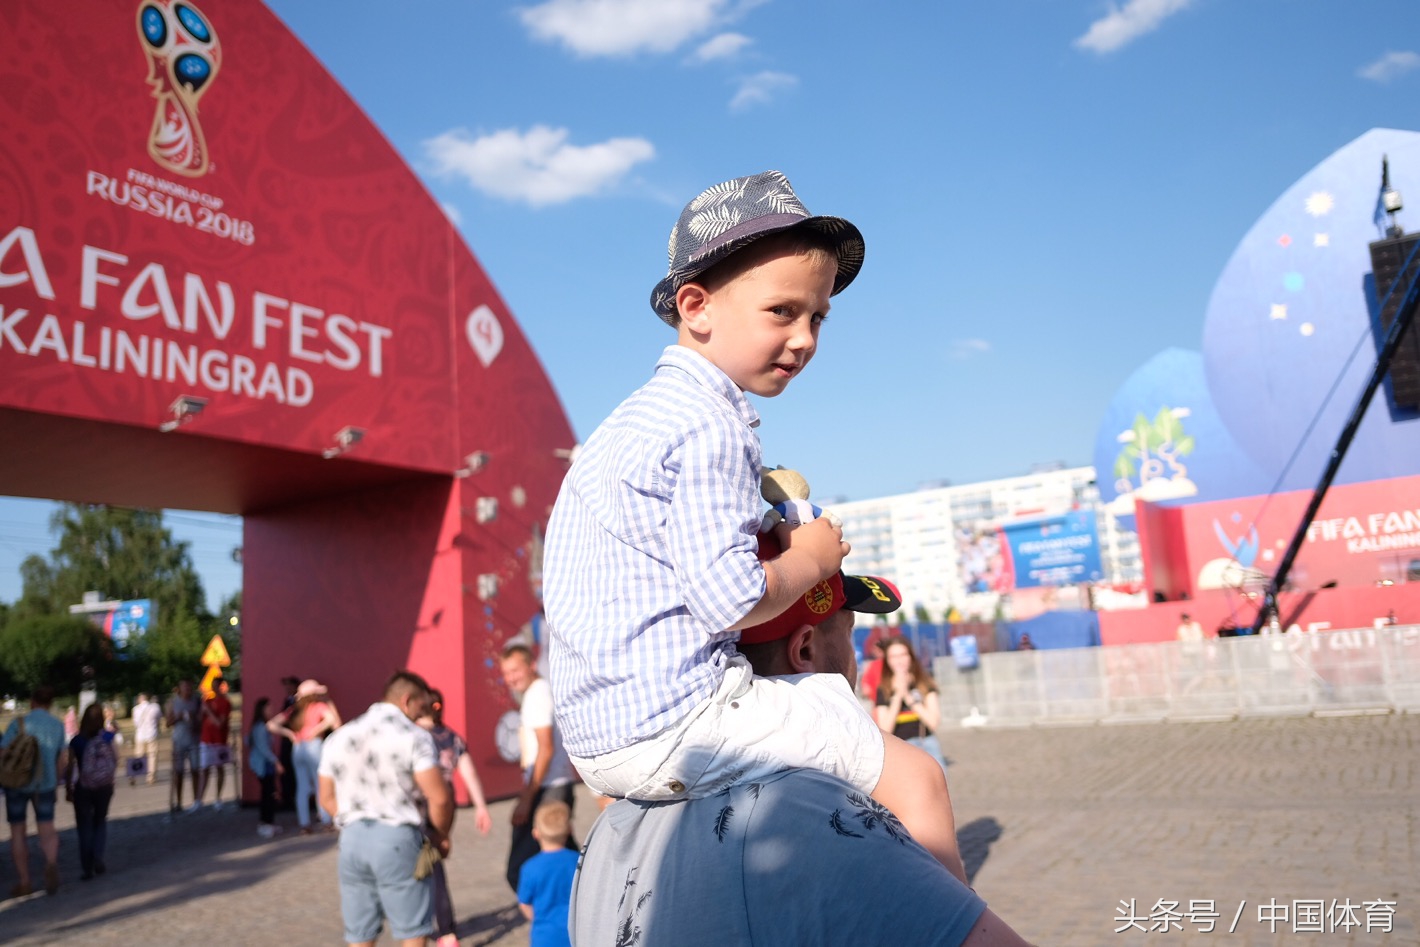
(1218, 455)
(221, 289)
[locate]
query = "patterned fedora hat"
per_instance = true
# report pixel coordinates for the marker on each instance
(730, 216)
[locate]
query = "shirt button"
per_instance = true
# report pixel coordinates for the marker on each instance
(677, 786)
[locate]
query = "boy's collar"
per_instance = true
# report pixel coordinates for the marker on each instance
(709, 375)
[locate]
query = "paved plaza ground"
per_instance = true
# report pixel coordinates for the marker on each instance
(1058, 827)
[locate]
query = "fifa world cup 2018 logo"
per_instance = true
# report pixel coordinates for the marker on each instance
(183, 58)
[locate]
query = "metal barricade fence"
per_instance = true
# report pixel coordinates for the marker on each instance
(1334, 671)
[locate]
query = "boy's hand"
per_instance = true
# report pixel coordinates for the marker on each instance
(819, 539)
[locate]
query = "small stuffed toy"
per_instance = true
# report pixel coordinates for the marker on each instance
(787, 492)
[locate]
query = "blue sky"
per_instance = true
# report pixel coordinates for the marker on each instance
(1048, 191)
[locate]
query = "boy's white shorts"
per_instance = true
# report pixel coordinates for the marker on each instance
(751, 727)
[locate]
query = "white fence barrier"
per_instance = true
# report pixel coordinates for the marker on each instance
(1347, 670)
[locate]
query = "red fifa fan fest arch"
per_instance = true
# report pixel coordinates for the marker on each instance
(222, 289)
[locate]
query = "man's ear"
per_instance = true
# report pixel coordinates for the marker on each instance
(799, 650)
(693, 303)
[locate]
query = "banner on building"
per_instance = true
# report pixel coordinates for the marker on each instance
(1054, 550)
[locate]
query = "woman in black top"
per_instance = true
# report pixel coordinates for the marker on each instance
(907, 705)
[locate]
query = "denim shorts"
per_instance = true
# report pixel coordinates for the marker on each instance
(17, 801)
(377, 882)
(184, 758)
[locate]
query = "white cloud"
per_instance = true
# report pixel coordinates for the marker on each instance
(1390, 66)
(966, 348)
(537, 166)
(761, 88)
(451, 212)
(1123, 25)
(621, 27)
(723, 46)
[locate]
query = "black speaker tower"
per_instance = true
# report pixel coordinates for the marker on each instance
(1387, 258)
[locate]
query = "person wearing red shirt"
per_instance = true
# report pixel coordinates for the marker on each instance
(872, 670)
(214, 752)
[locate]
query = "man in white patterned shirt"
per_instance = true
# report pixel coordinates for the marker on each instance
(650, 564)
(373, 771)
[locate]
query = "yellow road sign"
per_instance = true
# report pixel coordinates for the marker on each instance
(216, 653)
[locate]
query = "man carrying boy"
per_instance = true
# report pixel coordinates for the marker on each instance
(650, 566)
(787, 859)
(545, 886)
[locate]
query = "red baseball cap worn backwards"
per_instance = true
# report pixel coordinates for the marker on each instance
(857, 593)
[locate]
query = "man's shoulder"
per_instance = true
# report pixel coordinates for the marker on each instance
(389, 723)
(800, 852)
(43, 722)
(342, 739)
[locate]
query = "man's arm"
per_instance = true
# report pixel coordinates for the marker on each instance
(523, 811)
(465, 768)
(327, 795)
(441, 805)
(990, 931)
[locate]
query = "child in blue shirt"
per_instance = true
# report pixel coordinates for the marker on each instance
(545, 884)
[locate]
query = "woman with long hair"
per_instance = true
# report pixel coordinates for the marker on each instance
(306, 725)
(265, 766)
(88, 783)
(453, 758)
(907, 705)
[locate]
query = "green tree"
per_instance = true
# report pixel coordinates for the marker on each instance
(229, 626)
(52, 649)
(121, 553)
(124, 554)
(170, 652)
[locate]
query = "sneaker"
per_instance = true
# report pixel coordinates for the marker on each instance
(266, 831)
(216, 807)
(99, 866)
(195, 807)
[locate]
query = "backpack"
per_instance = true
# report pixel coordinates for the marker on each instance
(97, 765)
(19, 760)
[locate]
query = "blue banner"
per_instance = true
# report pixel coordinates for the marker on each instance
(965, 652)
(1056, 550)
(129, 620)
